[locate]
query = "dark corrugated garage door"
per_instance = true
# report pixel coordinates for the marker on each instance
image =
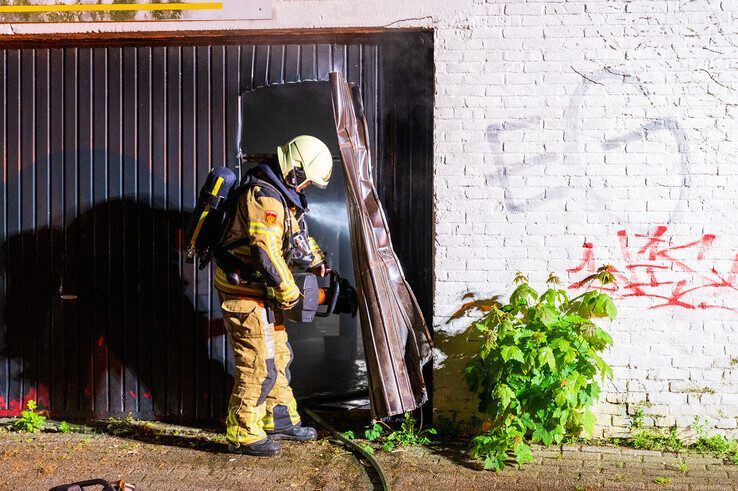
(103, 152)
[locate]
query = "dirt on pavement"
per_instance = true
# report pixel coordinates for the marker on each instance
(43, 460)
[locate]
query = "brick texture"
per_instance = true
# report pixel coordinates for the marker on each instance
(575, 134)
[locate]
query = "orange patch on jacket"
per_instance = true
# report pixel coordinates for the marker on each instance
(270, 218)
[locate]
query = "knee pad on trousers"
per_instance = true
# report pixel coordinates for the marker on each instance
(269, 381)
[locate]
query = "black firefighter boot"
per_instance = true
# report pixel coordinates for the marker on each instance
(298, 432)
(264, 448)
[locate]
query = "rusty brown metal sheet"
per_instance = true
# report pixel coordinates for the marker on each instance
(396, 339)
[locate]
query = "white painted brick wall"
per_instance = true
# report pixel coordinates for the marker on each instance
(564, 122)
(598, 116)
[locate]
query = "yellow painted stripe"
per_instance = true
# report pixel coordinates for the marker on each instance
(216, 188)
(199, 226)
(244, 250)
(23, 9)
(214, 192)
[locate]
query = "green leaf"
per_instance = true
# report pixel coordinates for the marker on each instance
(373, 432)
(523, 295)
(388, 446)
(548, 315)
(511, 353)
(522, 334)
(574, 318)
(561, 397)
(31, 404)
(495, 462)
(560, 344)
(588, 422)
(603, 336)
(570, 355)
(527, 421)
(543, 436)
(349, 435)
(505, 395)
(367, 448)
(610, 309)
(546, 356)
(523, 453)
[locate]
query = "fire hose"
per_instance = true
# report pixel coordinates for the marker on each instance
(356, 448)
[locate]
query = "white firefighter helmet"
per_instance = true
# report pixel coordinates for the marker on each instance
(309, 158)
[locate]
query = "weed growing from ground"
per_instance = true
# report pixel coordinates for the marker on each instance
(661, 480)
(726, 448)
(657, 439)
(350, 435)
(408, 435)
(373, 432)
(30, 420)
(649, 439)
(636, 422)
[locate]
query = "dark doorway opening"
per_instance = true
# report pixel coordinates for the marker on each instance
(327, 357)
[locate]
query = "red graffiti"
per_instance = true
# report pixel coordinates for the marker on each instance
(14, 407)
(588, 259)
(673, 275)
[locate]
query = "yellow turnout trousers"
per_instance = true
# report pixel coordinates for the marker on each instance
(262, 399)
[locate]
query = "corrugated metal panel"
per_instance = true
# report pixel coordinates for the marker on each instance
(103, 152)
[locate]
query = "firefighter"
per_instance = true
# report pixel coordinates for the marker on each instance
(255, 283)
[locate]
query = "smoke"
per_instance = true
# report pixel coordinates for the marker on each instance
(331, 215)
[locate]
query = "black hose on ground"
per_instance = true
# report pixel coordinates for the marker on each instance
(384, 485)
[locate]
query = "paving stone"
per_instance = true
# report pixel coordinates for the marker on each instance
(649, 453)
(50, 459)
(626, 485)
(601, 450)
(713, 487)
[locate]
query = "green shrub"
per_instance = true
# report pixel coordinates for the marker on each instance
(537, 367)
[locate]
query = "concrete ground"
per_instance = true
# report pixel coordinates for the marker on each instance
(196, 461)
